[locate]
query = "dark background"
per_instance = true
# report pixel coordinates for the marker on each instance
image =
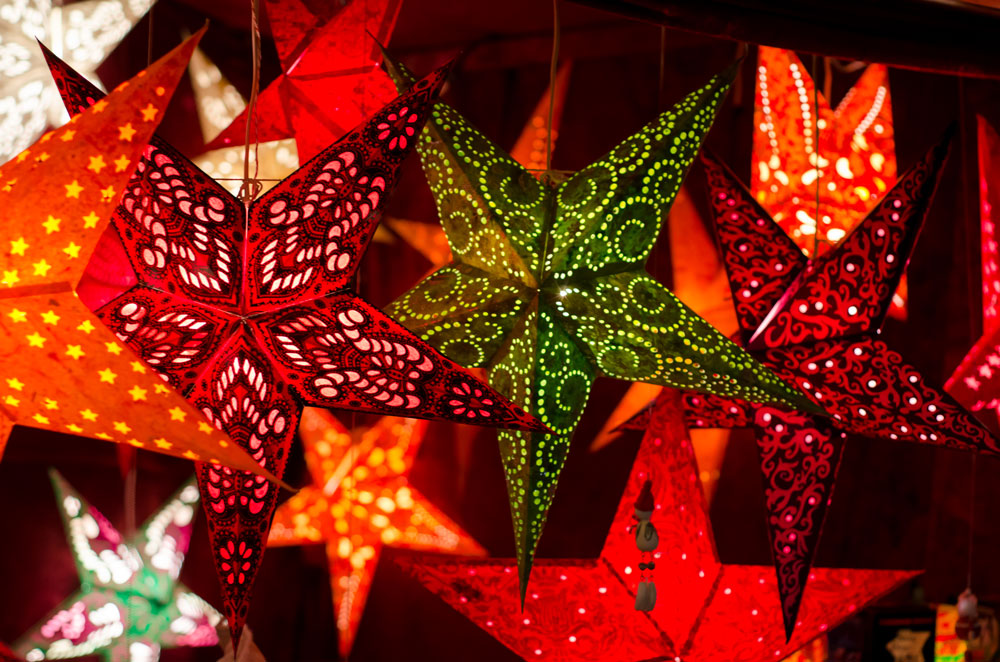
(896, 505)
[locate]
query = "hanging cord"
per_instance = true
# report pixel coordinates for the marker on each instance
(553, 70)
(251, 185)
(547, 173)
(815, 253)
(974, 295)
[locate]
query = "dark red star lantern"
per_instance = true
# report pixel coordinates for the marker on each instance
(331, 78)
(583, 609)
(815, 323)
(247, 310)
(976, 381)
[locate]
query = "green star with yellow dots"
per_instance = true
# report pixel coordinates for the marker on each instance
(547, 288)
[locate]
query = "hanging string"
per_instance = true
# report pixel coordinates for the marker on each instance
(663, 69)
(973, 293)
(251, 185)
(553, 70)
(815, 253)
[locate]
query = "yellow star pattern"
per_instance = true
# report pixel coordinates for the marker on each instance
(18, 315)
(50, 317)
(97, 164)
(41, 267)
(10, 278)
(18, 246)
(114, 348)
(15, 383)
(107, 375)
(126, 132)
(86, 326)
(36, 340)
(149, 113)
(177, 414)
(90, 221)
(88, 415)
(73, 189)
(137, 393)
(51, 224)
(74, 351)
(72, 250)
(122, 163)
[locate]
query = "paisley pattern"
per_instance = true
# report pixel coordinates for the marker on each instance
(814, 325)
(583, 609)
(249, 342)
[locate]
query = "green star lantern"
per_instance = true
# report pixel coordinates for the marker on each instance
(130, 604)
(547, 287)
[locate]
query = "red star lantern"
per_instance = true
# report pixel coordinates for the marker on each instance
(582, 609)
(63, 370)
(815, 323)
(974, 382)
(331, 78)
(853, 145)
(248, 311)
(360, 500)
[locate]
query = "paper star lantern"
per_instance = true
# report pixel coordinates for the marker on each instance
(63, 370)
(218, 103)
(816, 323)
(130, 604)
(547, 288)
(974, 382)
(360, 500)
(853, 144)
(248, 311)
(583, 609)
(331, 78)
(83, 33)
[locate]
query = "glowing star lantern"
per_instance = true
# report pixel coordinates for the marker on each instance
(360, 500)
(83, 33)
(130, 604)
(331, 78)
(63, 370)
(583, 609)
(247, 310)
(218, 104)
(841, 161)
(547, 287)
(975, 381)
(816, 322)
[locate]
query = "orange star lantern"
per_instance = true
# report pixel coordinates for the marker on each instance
(853, 145)
(63, 370)
(361, 500)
